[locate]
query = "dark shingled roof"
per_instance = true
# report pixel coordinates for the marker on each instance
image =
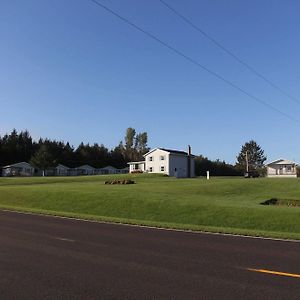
(174, 151)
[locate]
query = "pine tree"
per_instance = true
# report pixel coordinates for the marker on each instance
(252, 152)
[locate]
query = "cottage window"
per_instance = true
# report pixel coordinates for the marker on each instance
(162, 168)
(162, 157)
(150, 169)
(151, 158)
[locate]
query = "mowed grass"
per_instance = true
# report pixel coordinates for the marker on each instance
(221, 204)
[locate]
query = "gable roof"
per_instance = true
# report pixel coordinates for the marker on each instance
(22, 164)
(108, 168)
(62, 166)
(171, 151)
(282, 161)
(86, 167)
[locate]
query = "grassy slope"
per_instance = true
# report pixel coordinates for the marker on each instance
(221, 204)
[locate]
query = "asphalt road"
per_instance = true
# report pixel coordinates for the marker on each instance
(53, 258)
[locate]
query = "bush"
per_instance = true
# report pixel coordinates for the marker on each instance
(137, 172)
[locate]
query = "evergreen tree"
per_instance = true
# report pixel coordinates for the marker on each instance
(255, 156)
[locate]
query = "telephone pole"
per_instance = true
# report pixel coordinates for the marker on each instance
(247, 164)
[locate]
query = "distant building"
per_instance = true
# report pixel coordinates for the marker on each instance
(85, 170)
(25, 169)
(59, 170)
(18, 169)
(62, 170)
(107, 170)
(122, 171)
(282, 168)
(176, 163)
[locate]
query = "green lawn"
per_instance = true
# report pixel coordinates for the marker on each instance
(221, 204)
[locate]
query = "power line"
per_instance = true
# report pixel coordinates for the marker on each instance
(219, 45)
(193, 61)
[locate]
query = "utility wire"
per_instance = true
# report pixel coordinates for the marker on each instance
(193, 61)
(219, 45)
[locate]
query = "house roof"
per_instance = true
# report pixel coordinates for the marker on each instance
(19, 165)
(86, 167)
(171, 151)
(135, 162)
(282, 161)
(62, 166)
(108, 168)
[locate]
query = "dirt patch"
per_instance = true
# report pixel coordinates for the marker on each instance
(282, 202)
(128, 181)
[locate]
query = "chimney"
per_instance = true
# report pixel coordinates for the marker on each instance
(189, 162)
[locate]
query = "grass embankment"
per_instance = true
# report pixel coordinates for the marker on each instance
(221, 204)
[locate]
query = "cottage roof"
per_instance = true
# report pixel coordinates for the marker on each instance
(22, 164)
(282, 161)
(60, 166)
(86, 167)
(108, 168)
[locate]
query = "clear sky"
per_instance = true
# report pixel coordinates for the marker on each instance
(71, 71)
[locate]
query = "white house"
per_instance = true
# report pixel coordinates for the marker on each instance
(282, 168)
(166, 161)
(18, 169)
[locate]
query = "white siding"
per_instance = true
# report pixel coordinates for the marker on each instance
(281, 170)
(156, 163)
(170, 163)
(138, 166)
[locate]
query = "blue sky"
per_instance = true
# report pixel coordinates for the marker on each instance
(71, 71)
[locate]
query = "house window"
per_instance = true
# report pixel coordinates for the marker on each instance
(151, 158)
(150, 169)
(162, 157)
(289, 168)
(162, 168)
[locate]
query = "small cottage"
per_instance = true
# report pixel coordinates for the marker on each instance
(85, 170)
(282, 168)
(61, 170)
(18, 169)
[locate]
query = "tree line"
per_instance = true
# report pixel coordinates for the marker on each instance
(251, 158)
(20, 146)
(44, 153)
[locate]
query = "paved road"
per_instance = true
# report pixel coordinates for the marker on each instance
(52, 258)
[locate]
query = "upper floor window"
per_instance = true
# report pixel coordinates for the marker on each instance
(162, 157)
(151, 158)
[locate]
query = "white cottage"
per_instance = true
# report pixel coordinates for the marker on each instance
(282, 168)
(166, 161)
(18, 169)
